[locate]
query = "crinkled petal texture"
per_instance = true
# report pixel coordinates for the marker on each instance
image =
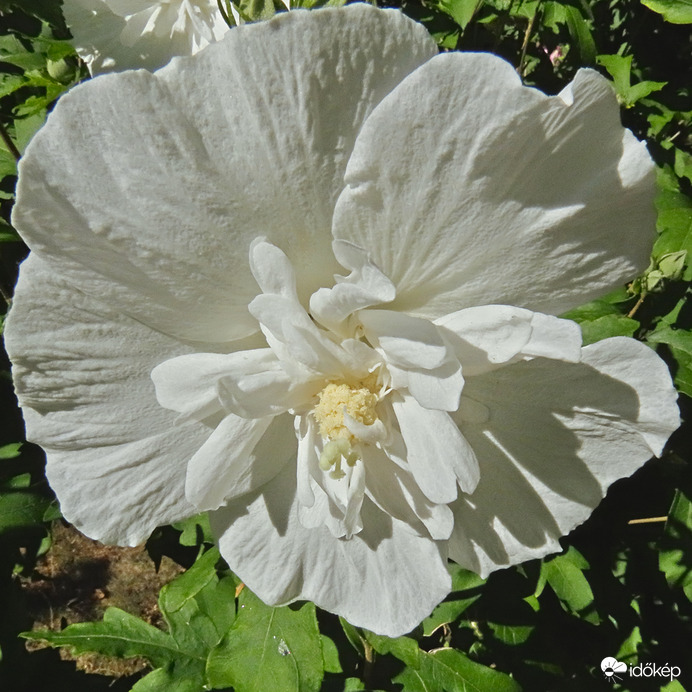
(116, 459)
(468, 188)
(112, 35)
(184, 339)
(153, 200)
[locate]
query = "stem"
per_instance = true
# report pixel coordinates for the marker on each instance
(9, 143)
(648, 520)
(369, 665)
(637, 305)
(5, 296)
(525, 44)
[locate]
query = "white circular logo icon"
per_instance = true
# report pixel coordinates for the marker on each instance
(611, 667)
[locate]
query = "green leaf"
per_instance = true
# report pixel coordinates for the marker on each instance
(25, 128)
(195, 530)
(354, 639)
(628, 649)
(8, 164)
(511, 634)
(678, 338)
(267, 648)
(449, 669)
(446, 613)
(683, 374)
(24, 59)
(312, 4)
(330, 655)
(255, 10)
(683, 164)
(675, 554)
(464, 579)
(619, 68)
(590, 311)
(176, 594)
(607, 326)
(554, 14)
(599, 320)
(9, 83)
(673, 11)
(10, 451)
(20, 509)
(580, 31)
(119, 634)
(564, 574)
(674, 221)
(19, 482)
(404, 648)
(163, 680)
(461, 11)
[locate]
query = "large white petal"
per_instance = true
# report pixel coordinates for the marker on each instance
(386, 578)
(115, 457)
(468, 189)
(558, 435)
(148, 189)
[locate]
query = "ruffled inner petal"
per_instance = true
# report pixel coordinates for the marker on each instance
(395, 491)
(365, 286)
(408, 342)
(239, 456)
(489, 336)
(436, 451)
(190, 384)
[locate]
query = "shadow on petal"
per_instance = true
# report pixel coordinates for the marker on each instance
(547, 454)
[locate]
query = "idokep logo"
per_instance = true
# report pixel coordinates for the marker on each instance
(614, 670)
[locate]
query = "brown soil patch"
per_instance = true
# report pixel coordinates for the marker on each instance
(79, 578)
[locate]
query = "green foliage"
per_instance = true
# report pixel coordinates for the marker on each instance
(269, 649)
(676, 545)
(449, 669)
(674, 11)
(620, 69)
(20, 509)
(565, 576)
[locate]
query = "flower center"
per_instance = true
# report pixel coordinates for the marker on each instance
(335, 401)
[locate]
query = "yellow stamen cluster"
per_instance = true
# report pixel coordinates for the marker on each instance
(359, 402)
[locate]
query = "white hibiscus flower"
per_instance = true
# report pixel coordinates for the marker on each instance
(273, 281)
(120, 34)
